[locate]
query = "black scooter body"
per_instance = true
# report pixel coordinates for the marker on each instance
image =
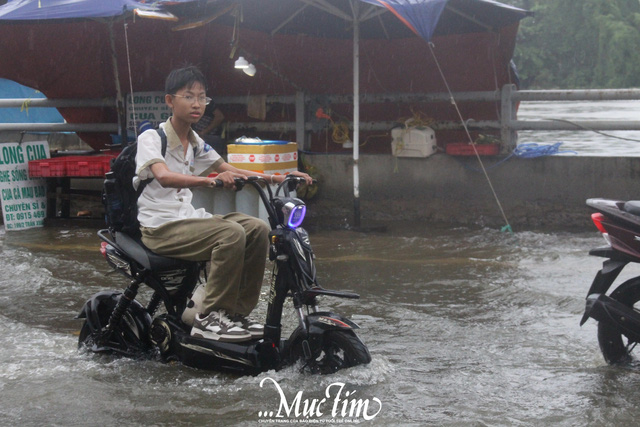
(172, 336)
(115, 322)
(622, 223)
(248, 357)
(605, 309)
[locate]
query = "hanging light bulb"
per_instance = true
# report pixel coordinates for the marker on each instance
(250, 70)
(241, 63)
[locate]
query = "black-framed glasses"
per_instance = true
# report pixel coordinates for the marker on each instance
(191, 99)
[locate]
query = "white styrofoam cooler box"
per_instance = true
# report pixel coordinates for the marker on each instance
(219, 201)
(413, 142)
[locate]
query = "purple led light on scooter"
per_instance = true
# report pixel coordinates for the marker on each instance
(296, 215)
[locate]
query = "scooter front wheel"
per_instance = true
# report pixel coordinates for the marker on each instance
(615, 347)
(339, 350)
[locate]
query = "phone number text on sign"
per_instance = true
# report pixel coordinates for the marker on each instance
(24, 200)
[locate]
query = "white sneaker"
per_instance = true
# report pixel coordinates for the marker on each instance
(217, 326)
(255, 328)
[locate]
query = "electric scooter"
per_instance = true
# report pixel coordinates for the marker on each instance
(618, 319)
(118, 323)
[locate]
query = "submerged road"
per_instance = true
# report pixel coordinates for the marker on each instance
(466, 326)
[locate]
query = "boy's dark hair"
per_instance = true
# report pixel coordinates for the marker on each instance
(183, 77)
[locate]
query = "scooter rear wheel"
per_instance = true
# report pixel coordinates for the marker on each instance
(615, 347)
(339, 350)
(130, 338)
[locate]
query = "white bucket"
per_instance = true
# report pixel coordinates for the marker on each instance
(413, 142)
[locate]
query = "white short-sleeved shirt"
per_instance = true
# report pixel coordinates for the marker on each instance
(158, 205)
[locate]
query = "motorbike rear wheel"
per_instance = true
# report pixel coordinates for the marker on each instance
(130, 338)
(339, 350)
(615, 347)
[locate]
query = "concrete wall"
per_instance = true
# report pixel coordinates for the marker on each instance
(538, 192)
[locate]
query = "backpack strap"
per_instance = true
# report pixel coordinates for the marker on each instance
(163, 141)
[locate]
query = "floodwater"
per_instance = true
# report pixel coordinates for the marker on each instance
(466, 327)
(584, 142)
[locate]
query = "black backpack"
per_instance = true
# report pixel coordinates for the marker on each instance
(119, 198)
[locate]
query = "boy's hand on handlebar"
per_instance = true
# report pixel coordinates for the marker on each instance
(228, 179)
(215, 182)
(307, 178)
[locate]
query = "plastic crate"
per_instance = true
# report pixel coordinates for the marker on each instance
(466, 149)
(45, 168)
(87, 166)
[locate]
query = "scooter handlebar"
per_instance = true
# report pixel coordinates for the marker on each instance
(239, 183)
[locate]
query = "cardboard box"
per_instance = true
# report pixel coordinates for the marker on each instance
(264, 158)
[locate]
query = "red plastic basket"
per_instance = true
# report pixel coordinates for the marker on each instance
(87, 166)
(45, 168)
(465, 149)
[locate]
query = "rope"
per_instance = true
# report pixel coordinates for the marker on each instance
(595, 131)
(507, 226)
(418, 119)
(339, 130)
(340, 133)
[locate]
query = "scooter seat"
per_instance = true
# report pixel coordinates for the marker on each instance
(632, 207)
(145, 256)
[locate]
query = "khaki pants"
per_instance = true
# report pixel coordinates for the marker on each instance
(236, 244)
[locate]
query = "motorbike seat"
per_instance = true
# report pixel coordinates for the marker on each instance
(632, 207)
(146, 257)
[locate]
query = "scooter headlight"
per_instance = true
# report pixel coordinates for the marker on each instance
(294, 211)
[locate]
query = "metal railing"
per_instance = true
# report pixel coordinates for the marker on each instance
(58, 103)
(507, 98)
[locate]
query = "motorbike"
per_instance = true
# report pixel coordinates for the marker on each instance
(618, 321)
(118, 323)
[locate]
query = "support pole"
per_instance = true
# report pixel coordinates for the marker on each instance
(356, 114)
(122, 114)
(508, 113)
(300, 122)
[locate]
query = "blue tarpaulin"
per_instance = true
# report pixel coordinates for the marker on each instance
(425, 18)
(334, 18)
(421, 16)
(28, 10)
(12, 90)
